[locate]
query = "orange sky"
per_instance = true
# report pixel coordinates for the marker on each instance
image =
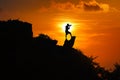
(95, 23)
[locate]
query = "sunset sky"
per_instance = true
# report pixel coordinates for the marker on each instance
(95, 23)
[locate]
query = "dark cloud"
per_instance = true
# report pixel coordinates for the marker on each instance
(64, 1)
(27, 5)
(88, 7)
(59, 5)
(79, 5)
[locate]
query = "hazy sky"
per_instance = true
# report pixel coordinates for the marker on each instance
(96, 23)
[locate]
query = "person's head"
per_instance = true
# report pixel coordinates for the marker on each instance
(69, 25)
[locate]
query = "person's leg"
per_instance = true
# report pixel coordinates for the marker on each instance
(66, 35)
(70, 34)
(67, 32)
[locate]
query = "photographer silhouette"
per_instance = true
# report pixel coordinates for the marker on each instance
(67, 27)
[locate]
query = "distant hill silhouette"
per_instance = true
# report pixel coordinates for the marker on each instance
(40, 58)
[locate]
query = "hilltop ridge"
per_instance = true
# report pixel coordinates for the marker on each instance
(32, 58)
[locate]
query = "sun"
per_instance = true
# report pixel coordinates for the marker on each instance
(63, 24)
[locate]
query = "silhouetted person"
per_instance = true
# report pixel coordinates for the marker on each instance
(67, 27)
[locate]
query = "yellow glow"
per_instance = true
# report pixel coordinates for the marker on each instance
(63, 24)
(105, 7)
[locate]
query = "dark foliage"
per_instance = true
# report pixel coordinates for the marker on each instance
(40, 58)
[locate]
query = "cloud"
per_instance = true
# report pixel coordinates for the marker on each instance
(63, 6)
(82, 5)
(91, 6)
